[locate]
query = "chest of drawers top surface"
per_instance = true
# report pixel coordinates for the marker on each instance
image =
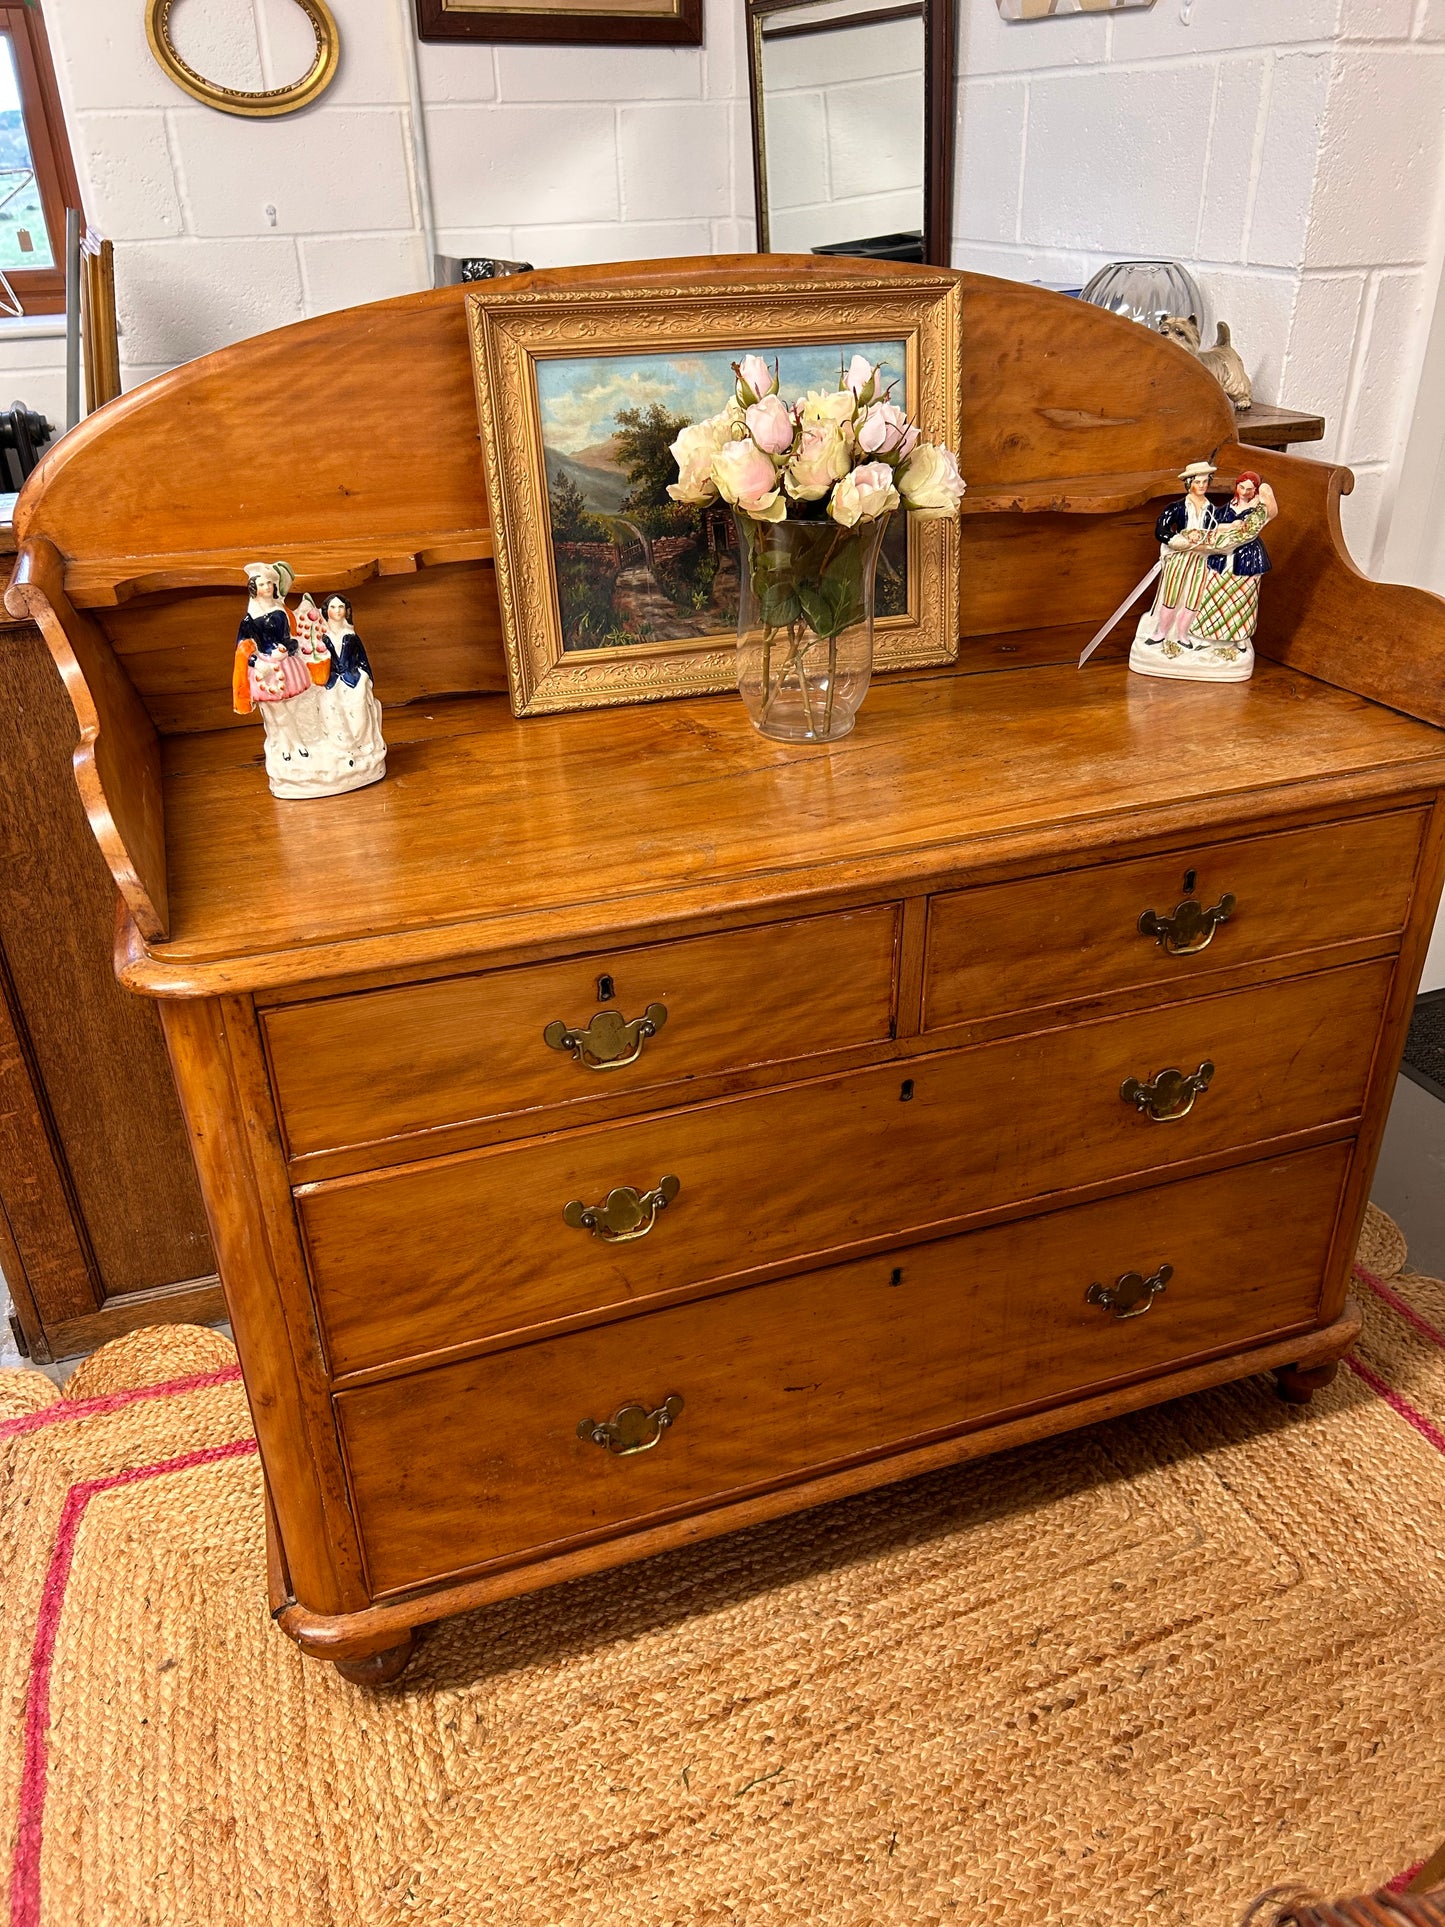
(491, 838)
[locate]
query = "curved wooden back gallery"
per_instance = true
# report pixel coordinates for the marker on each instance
(917, 1055)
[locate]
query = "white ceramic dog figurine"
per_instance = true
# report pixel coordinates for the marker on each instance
(1222, 360)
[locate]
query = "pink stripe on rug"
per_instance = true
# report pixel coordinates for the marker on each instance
(1399, 1404)
(1402, 1880)
(113, 1401)
(25, 1867)
(1402, 1306)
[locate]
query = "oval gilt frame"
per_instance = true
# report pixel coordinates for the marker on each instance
(263, 103)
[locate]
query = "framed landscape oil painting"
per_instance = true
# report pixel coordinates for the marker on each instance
(610, 590)
(632, 565)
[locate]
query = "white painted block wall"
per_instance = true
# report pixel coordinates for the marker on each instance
(1292, 152)
(227, 226)
(1289, 150)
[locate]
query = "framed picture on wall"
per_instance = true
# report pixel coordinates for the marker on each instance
(669, 23)
(1052, 9)
(610, 591)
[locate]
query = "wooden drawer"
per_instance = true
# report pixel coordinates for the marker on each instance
(388, 1063)
(1050, 940)
(482, 1461)
(412, 1261)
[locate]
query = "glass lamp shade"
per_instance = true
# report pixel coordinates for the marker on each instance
(1147, 290)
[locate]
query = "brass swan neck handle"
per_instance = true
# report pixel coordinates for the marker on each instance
(1168, 1094)
(610, 1042)
(632, 1428)
(1190, 929)
(624, 1213)
(1131, 1294)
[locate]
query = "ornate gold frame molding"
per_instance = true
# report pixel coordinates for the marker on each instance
(513, 329)
(265, 103)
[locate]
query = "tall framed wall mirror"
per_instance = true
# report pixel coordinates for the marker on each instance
(852, 109)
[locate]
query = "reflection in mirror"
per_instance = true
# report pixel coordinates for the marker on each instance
(850, 126)
(842, 100)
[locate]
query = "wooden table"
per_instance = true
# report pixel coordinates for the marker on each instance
(1025, 1056)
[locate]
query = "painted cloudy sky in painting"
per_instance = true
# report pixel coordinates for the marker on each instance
(579, 398)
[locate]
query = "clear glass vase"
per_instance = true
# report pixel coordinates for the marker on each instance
(1146, 291)
(805, 625)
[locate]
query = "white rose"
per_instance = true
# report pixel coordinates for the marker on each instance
(823, 456)
(835, 409)
(771, 425)
(864, 495)
(746, 478)
(755, 379)
(861, 379)
(885, 430)
(693, 452)
(930, 483)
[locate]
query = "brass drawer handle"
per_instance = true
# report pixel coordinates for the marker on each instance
(1131, 1295)
(625, 1214)
(611, 1041)
(632, 1428)
(1191, 928)
(1168, 1095)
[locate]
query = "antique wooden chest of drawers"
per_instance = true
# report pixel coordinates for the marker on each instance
(616, 1128)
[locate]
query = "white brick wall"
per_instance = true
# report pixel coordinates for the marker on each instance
(1289, 151)
(224, 226)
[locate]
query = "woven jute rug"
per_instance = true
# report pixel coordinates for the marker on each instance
(1137, 1674)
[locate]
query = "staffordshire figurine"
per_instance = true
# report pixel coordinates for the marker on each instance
(287, 668)
(1201, 626)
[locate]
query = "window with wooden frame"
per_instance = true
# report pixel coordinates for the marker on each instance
(37, 174)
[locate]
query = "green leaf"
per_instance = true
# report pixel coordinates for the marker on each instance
(779, 605)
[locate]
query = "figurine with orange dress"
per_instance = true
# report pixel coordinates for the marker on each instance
(285, 667)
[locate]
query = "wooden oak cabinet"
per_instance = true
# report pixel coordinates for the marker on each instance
(101, 1222)
(1019, 1061)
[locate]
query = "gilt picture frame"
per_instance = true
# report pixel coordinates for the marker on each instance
(611, 594)
(656, 23)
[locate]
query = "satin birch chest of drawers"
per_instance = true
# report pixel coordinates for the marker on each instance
(615, 1128)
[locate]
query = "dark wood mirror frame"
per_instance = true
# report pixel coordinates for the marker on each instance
(939, 41)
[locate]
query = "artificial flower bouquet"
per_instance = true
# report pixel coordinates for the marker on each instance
(813, 484)
(854, 450)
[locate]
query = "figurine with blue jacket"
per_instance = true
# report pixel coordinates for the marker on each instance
(1202, 623)
(309, 676)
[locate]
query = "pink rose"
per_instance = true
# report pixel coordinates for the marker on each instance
(861, 378)
(864, 495)
(886, 430)
(771, 425)
(748, 479)
(755, 379)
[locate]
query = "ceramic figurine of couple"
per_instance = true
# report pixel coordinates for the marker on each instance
(308, 675)
(1201, 627)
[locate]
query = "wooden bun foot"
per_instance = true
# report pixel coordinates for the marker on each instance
(1299, 1383)
(378, 1669)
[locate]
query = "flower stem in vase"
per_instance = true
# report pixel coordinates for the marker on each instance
(812, 485)
(800, 649)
